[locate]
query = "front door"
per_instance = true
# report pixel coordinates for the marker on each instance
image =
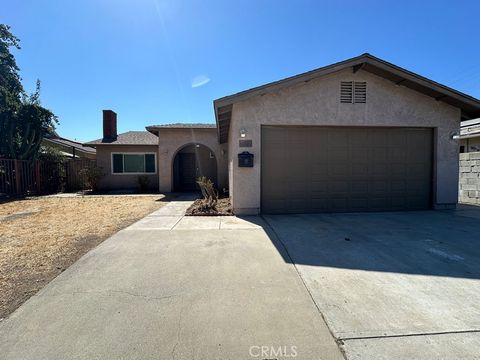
(187, 165)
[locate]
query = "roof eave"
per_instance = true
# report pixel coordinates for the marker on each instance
(469, 105)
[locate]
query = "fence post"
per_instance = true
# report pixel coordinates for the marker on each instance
(38, 180)
(18, 177)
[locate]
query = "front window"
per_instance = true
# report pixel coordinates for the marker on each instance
(133, 163)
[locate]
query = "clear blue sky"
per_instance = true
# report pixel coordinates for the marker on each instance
(140, 58)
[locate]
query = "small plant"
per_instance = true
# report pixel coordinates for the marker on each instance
(143, 183)
(92, 177)
(210, 194)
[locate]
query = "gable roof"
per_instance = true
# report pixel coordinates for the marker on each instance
(55, 139)
(128, 138)
(469, 105)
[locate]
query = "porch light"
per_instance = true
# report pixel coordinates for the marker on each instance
(243, 132)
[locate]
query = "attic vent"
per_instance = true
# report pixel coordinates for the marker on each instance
(353, 92)
(360, 92)
(346, 92)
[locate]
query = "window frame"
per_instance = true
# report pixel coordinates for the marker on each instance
(133, 153)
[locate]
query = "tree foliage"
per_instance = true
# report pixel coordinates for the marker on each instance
(23, 121)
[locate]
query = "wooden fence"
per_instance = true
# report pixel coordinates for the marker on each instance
(74, 180)
(34, 177)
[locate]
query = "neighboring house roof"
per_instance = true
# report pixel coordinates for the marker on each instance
(128, 138)
(155, 128)
(469, 105)
(470, 129)
(55, 139)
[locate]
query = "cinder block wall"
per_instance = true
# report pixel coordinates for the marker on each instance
(469, 182)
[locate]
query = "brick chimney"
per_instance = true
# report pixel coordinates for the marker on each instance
(109, 125)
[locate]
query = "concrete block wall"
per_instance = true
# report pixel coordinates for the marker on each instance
(469, 181)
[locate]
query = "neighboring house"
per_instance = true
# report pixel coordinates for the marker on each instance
(69, 148)
(470, 136)
(358, 135)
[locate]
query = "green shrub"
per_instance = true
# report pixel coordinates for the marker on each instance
(143, 182)
(54, 165)
(92, 177)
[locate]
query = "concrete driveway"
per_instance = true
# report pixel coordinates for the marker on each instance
(172, 287)
(389, 286)
(392, 285)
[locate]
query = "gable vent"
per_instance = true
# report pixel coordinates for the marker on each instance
(346, 92)
(353, 92)
(359, 92)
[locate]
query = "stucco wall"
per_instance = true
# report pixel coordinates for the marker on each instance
(122, 181)
(317, 103)
(172, 140)
(469, 181)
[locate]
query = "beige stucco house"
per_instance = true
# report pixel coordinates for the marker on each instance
(359, 135)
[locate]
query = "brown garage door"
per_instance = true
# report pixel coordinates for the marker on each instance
(343, 169)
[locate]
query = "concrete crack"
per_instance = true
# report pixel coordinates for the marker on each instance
(179, 329)
(106, 292)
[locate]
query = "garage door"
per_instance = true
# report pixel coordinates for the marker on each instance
(343, 169)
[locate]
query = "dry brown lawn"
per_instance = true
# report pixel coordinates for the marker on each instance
(41, 237)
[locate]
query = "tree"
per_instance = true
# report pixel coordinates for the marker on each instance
(23, 121)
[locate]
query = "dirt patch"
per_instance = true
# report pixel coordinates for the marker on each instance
(223, 208)
(41, 237)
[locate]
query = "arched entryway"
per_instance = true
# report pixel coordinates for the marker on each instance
(190, 162)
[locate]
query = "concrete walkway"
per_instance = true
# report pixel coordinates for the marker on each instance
(174, 287)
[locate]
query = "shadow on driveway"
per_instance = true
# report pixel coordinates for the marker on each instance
(441, 243)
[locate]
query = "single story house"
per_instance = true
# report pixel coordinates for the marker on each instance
(124, 157)
(359, 135)
(469, 136)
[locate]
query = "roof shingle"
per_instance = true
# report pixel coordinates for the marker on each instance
(129, 138)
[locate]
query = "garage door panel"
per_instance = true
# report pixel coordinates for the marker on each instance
(358, 155)
(358, 203)
(319, 186)
(378, 203)
(338, 154)
(338, 170)
(377, 154)
(378, 187)
(397, 139)
(337, 204)
(377, 138)
(378, 170)
(396, 154)
(323, 169)
(417, 170)
(359, 187)
(357, 138)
